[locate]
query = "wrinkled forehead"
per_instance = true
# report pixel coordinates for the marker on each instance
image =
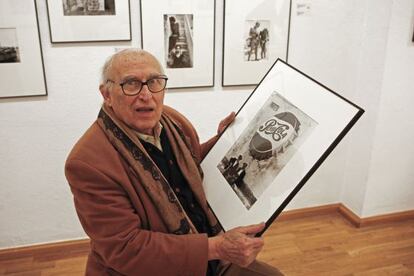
(130, 61)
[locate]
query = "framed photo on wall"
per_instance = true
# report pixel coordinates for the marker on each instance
(254, 36)
(181, 35)
(282, 133)
(21, 62)
(89, 20)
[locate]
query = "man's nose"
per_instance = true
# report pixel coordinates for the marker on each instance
(145, 94)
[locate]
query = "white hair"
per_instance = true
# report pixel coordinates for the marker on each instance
(107, 67)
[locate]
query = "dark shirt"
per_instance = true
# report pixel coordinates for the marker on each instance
(166, 162)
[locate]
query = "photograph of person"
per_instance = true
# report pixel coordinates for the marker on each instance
(178, 34)
(256, 40)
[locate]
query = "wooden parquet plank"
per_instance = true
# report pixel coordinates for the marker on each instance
(73, 266)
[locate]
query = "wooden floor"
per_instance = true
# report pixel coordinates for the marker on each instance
(316, 245)
(330, 245)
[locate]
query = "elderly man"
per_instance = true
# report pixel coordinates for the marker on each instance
(137, 184)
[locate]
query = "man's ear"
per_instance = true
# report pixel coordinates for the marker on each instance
(105, 94)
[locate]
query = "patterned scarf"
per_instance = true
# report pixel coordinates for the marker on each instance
(150, 177)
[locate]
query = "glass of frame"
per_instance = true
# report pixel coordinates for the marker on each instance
(281, 135)
(181, 35)
(254, 36)
(89, 20)
(21, 63)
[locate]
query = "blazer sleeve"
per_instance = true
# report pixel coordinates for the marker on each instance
(109, 219)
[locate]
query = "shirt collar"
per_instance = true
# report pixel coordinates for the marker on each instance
(152, 139)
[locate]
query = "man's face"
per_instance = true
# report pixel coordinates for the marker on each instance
(141, 112)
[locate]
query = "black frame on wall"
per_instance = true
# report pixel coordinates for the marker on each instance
(234, 64)
(56, 18)
(154, 37)
(28, 60)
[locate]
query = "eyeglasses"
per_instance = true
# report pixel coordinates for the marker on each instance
(132, 87)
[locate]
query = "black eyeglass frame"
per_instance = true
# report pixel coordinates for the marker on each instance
(142, 85)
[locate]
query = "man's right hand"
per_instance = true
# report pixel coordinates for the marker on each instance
(238, 245)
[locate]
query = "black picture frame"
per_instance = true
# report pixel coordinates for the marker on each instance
(21, 51)
(241, 64)
(191, 64)
(283, 132)
(111, 24)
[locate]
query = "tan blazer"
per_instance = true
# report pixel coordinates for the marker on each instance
(128, 236)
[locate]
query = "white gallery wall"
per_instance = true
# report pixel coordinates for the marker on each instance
(360, 49)
(390, 183)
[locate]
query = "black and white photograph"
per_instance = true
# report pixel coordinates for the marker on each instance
(88, 7)
(256, 40)
(9, 48)
(265, 147)
(178, 34)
